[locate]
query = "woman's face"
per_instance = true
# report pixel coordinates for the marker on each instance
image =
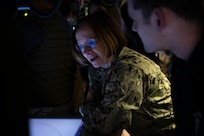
(91, 47)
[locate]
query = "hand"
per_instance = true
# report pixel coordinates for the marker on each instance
(121, 133)
(125, 133)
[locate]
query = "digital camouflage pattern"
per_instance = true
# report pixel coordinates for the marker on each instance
(132, 93)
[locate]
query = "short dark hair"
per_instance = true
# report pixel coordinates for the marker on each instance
(188, 9)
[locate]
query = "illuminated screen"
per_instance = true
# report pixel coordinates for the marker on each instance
(54, 126)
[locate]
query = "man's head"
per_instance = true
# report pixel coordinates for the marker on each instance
(164, 24)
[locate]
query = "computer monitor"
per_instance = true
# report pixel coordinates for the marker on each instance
(55, 126)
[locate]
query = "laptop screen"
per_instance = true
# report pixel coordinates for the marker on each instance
(54, 126)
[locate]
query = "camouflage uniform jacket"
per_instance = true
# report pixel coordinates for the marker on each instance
(132, 93)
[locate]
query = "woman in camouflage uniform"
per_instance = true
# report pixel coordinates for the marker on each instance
(126, 89)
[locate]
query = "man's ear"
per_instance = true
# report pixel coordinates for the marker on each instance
(158, 19)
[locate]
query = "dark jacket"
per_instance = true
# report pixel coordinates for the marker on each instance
(187, 83)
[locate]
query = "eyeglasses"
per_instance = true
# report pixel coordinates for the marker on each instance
(91, 42)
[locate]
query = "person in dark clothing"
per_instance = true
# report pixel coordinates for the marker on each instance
(177, 26)
(50, 67)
